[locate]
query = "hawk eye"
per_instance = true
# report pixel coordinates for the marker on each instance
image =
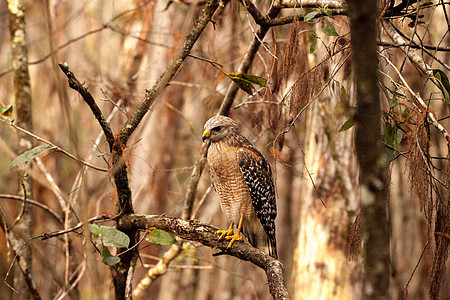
(217, 128)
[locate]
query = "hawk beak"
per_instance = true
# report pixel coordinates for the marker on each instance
(206, 135)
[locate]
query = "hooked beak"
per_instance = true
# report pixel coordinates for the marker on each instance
(206, 135)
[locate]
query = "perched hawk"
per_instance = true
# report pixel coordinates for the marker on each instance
(243, 179)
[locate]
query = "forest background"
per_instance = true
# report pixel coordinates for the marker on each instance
(356, 135)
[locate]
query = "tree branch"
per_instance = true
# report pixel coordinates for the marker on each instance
(180, 55)
(87, 97)
(206, 234)
(310, 4)
(420, 103)
(248, 60)
(414, 45)
(266, 21)
(53, 213)
(57, 148)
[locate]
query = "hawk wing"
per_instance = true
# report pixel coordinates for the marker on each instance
(258, 176)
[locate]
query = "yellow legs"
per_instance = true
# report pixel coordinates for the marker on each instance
(229, 232)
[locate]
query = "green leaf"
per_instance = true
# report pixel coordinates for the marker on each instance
(110, 236)
(392, 135)
(244, 81)
(444, 84)
(30, 154)
(108, 258)
(312, 48)
(329, 29)
(394, 102)
(6, 111)
(261, 81)
(310, 16)
(161, 237)
(347, 125)
(388, 133)
(243, 85)
(95, 229)
(399, 137)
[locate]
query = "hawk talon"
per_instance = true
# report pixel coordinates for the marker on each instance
(233, 238)
(226, 233)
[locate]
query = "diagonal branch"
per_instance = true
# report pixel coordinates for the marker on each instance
(180, 55)
(415, 59)
(247, 61)
(87, 97)
(419, 102)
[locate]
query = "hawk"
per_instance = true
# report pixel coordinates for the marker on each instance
(243, 180)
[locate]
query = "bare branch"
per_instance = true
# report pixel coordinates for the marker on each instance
(266, 21)
(422, 47)
(414, 45)
(310, 4)
(87, 97)
(247, 61)
(157, 271)
(53, 213)
(180, 55)
(415, 59)
(53, 234)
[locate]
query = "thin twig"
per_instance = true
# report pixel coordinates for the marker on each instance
(423, 48)
(13, 244)
(414, 45)
(53, 213)
(24, 203)
(254, 32)
(400, 296)
(80, 271)
(46, 236)
(53, 186)
(312, 181)
(57, 148)
(419, 103)
(113, 103)
(200, 202)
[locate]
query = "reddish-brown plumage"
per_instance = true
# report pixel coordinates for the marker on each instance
(243, 180)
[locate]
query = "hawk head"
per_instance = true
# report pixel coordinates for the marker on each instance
(218, 128)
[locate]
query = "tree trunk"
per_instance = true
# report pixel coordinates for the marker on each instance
(371, 160)
(323, 270)
(22, 92)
